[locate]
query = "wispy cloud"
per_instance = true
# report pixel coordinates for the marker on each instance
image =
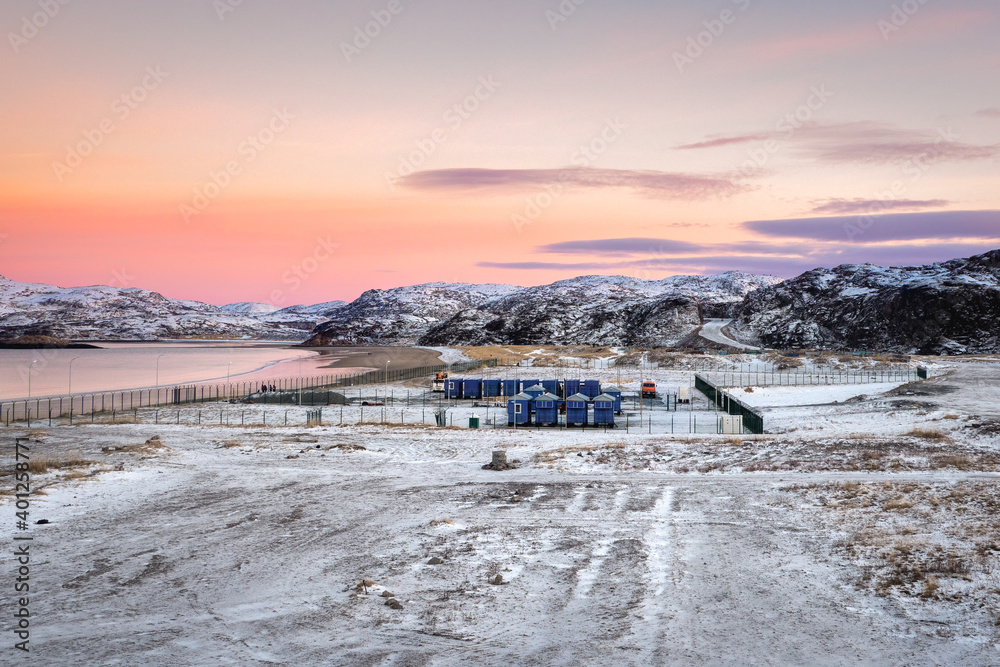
(651, 183)
(876, 205)
(621, 247)
(872, 143)
(866, 142)
(993, 112)
(782, 265)
(715, 142)
(931, 225)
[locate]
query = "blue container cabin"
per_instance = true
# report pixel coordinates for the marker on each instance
(604, 410)
(491, 388)
(576, 410)
(571, 387)
(551, 386)
(511, 387)
(591, 388)
(547, 409)
(453, 388)
(472, 388)
(519, 410)
(534, 391)
(615, 393)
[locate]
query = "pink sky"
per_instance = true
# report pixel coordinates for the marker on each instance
(251, 156)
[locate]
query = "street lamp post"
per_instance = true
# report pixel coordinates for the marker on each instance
(158, 377)
(228, 366)
(386, 401)
(70, 388)
(29, 376)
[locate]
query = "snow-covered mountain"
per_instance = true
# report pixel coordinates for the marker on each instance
(401, 315)
(109, 313)
(606, 310)
(944, 308)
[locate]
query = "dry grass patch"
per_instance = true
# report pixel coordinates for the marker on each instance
(42, 464)
(932, 434)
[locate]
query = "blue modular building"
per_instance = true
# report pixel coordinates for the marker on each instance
(534, 390)
(615, 393)
(604, 410)
(571, 387)
(525, 384)
(591, 388)
(491, 388)
(551, 386)
(546, 409)
(453, 388)
(511, 387)
(472, 388)
(576, 410)
(519, 410)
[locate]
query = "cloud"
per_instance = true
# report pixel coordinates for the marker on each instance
(876, 205)
(778, 265)
(621, 247)
(653, 183)
(866, 142)
(725, 141)
(931, 225)
(989, 113)
(873, 143)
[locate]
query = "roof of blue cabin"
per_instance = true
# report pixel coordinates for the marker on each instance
(610, 389)
(534, 387)
(521, 397)
(546, 397)
(579, 397)
(604, 398)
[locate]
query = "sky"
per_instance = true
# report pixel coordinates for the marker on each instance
(305, 151)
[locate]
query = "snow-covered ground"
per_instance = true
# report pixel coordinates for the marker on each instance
(858, 532)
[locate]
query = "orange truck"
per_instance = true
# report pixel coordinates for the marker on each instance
(439, 379)
(648, 389)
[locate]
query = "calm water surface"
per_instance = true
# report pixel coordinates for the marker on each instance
(118, 366)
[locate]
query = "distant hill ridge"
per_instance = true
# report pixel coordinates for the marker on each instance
(950, 307)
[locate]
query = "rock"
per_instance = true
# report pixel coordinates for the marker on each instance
(42, 522)
(365, 583)
(497, 580)
(387, 594)
(499, 462)
(435, 561)
(394, 604)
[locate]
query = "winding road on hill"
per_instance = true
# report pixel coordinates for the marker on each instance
(712, 330)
